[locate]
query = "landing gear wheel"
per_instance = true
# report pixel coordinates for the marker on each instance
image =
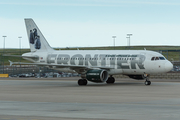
(110, 80)
(82, 82)
(147, 82)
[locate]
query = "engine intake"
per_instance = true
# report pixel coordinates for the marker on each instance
(97, 75)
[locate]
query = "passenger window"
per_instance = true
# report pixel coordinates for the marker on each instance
(157, 58)
(152, 58)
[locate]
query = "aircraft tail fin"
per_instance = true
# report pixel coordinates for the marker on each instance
(37, 41)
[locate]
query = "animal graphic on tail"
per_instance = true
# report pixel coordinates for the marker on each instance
(35, 39)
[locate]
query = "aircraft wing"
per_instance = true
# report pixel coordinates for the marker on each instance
(61, 65)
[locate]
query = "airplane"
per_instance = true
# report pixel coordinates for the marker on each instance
(94, 65)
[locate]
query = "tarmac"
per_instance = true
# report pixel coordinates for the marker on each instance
(63, 99)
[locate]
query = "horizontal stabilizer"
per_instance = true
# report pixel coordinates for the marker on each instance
(20, 56)
(11, 63)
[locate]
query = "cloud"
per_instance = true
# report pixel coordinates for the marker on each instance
(72, 34)
(91, 2)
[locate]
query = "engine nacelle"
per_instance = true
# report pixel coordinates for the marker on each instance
(137, 77)
(97, 75)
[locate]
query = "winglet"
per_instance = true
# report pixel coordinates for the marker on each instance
(11, 63)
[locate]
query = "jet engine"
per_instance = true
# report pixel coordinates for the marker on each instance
(97, 75)
(137, 77)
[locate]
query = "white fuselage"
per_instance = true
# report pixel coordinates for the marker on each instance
(128, 62)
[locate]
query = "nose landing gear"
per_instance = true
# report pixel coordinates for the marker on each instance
(147, 82)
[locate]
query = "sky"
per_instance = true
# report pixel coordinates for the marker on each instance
(92, 23)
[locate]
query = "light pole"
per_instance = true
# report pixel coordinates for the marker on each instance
(20, 44)
(129, 39)
(3, 52)
(20, 50)
(114, 37)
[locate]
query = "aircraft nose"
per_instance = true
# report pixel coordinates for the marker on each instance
(168, 66)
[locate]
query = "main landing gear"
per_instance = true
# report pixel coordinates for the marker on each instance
(82, 82)
(110, 80)
(147, 82)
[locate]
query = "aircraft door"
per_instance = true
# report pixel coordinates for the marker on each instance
(51, 58)
(141, 59)
(140, 67)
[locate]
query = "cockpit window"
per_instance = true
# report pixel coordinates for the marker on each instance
(157, 58)
(161, 58)
(152, 58)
